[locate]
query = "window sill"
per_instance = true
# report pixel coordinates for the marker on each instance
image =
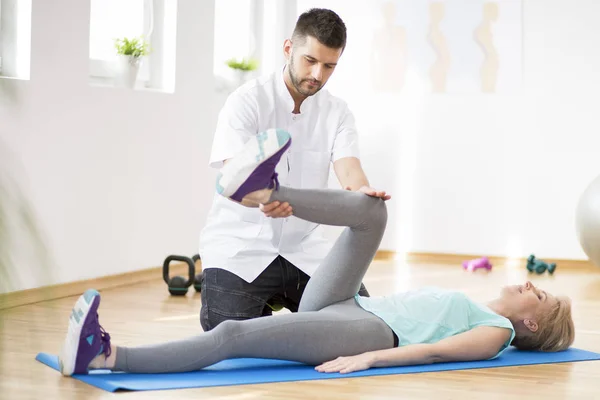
(224, 85)
(14, 78)
(101, 82)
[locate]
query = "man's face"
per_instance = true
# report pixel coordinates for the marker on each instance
(310, 65)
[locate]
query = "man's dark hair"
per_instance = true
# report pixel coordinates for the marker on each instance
(322, 24)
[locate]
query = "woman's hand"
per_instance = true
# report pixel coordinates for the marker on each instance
(345, 365)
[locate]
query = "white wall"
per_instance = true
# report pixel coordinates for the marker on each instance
(117, 179)
(515, 167)
(491, 174)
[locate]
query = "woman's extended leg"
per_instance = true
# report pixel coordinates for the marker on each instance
(342, 329)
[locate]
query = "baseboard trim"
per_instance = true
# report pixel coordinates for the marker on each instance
(385, 255)
(45, 293)
(449, 258)
(36, 295)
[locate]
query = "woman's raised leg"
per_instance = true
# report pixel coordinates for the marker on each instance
(340, 274)
(249, 178)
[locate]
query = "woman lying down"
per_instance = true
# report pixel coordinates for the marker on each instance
(335, 329)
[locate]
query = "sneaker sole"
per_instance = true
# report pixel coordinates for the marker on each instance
(262, 147)
(68, 355)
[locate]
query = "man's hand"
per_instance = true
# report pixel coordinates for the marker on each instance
(276, 209)
(345, 365)
(372, 192)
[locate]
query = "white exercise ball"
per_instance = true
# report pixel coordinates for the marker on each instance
(587, 221)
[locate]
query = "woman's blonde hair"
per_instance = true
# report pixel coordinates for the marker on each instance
(556, 330)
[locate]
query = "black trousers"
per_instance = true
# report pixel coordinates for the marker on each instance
(226, 296)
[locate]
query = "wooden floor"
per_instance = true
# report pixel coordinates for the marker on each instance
(146, 313)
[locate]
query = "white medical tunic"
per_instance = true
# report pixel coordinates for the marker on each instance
(242, 240)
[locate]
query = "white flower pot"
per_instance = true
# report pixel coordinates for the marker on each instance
(240, 77)
(127, 70)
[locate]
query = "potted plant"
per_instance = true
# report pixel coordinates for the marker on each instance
(242, 68)
(130, 53)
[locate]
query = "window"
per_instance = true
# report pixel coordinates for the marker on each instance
(233, 36)
(256, 30)
(15, 38)
(154, 20)
(279, 21)
(1, 36)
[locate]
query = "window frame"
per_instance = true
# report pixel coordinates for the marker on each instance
(101, 71)
(1, 38)
(18, 15)
(285, 18)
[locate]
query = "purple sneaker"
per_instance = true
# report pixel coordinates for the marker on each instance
(253, 168)
(85, 339)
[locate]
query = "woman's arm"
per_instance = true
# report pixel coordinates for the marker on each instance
(480, 343)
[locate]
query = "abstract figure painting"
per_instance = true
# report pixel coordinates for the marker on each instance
(484, 37)
(438, 73)
(388, 58)
(429, 46)
(456, 46)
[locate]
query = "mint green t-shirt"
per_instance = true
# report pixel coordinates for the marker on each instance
(430, 314)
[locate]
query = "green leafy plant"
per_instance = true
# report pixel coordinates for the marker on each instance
(135, 47)
(245, 64)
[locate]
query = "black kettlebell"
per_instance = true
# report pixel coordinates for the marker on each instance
(178, 285)
(198, 278)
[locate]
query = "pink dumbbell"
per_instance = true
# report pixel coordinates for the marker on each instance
(478, 263)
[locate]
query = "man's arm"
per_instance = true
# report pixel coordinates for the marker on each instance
(352, 177)
(350, 173)
(480, 343)
(236, 124)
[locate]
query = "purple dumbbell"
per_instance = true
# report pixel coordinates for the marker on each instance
(478, 263)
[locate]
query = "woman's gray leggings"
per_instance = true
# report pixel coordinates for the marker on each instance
(329, 322)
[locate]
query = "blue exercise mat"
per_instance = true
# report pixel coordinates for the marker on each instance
(245, 371)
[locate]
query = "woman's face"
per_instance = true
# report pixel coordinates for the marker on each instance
(527, 303)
